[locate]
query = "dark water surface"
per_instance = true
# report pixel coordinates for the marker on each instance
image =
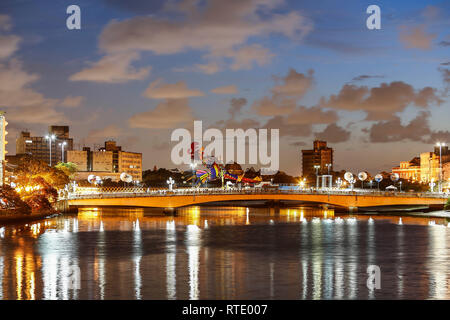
(224, 253)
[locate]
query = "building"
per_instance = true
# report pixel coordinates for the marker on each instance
(409, 170)
(107, 162)
(446, 171)
(426, 167)
(320, 155)
(3, 142)
(57, 139)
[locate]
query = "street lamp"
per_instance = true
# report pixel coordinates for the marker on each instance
(328, 165)
(193, 165)
(50, 138)
(170, 182)
(317, 167)
(440, 145)
(339, 182)
(62, 144)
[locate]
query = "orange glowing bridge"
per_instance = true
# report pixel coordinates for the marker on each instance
(181, 198)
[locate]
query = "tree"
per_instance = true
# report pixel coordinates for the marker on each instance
(29, 169)
(69, 168)
(10, 200)
(38, 194)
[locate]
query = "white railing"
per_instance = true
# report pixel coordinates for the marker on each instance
(141, 192)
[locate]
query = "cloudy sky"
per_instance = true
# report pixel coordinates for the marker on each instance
(139, 69)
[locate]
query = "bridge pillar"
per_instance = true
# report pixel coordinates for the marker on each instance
(353, 210)
(170, 211)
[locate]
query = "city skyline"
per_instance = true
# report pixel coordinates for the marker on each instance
(378, 99)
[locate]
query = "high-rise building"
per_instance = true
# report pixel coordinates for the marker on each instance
(3, 143)
(39, 147)
(320, 155)
(107, 162)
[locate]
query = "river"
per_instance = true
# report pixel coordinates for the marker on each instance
(224, 253)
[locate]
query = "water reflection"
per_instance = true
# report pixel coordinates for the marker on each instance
(224, 253)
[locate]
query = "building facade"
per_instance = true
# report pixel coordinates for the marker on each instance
(409, 170)
(3, 143)
(425, 168)
(108, 162)
(320, 155)
(39, 147)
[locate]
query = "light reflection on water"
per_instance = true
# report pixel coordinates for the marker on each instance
(225, 253)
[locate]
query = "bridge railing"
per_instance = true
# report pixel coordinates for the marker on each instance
(141, 192)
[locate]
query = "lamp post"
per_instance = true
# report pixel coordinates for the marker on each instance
(328, 165)
(440, 145)
(317, 167)
(339, 183)
(193, 165)
(50, 138)
(62, 144)
(170, 182)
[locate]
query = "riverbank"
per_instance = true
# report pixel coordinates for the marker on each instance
(23, 218)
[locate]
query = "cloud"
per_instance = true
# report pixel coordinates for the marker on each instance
(219, 28)
(237, 124)
(236, 105)
(416, 37)
(244, 57)
(444, 43)
(300, 121)
(294, 130)
(437, 136)
(114, 68)
(314, 115)
(382, 102)
(393, 130)
(445, 74)
(159, 90)
(298, 144)
(22, 103)
(36, 114)
(231, 89)
(207, 68)
(5, 22)
(431, 12)
(285, 94)
(334, 134)
(72, 102)
(170, 113)
(106, 132)
(8, 45)
(365, 77)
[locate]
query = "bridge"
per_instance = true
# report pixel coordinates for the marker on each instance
(170, 200)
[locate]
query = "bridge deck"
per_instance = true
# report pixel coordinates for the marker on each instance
(175, 200)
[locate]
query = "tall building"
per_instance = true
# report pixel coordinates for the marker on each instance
(39, 147)
(3, 143)
(320, 155)
(107, 162)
